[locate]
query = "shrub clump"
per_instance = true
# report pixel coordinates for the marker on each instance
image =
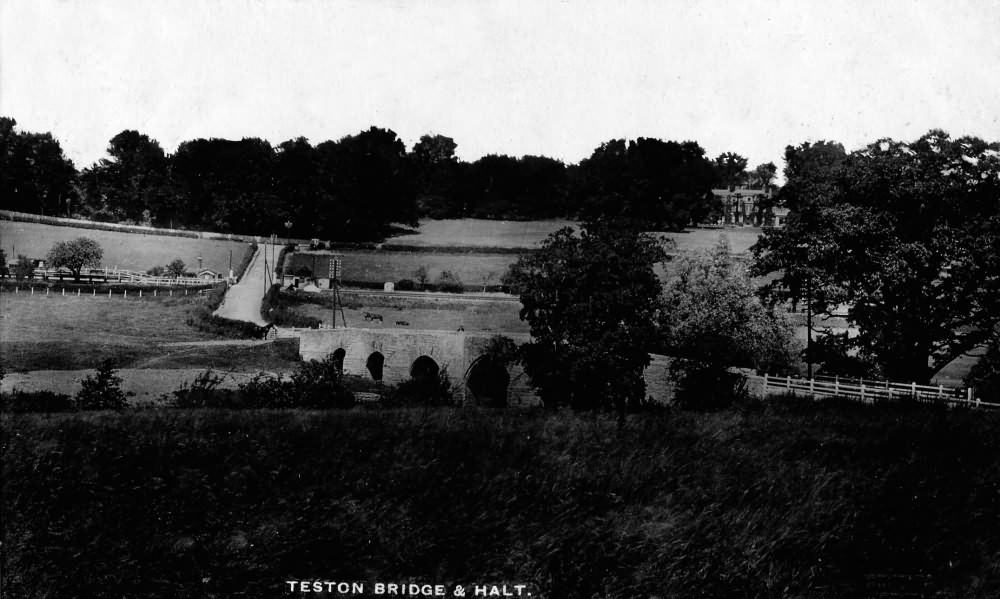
(449, 282)
(23, 402)
(406, 285)
(103, 390)
(317, 385)
(422, 391)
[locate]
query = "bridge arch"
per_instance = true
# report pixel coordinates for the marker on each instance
(488, 381)
(375, 364)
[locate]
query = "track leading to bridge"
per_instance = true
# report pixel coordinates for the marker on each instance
(243, 299)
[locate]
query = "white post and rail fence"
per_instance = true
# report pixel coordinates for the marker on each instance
(868, 391)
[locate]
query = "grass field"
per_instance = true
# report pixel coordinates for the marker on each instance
(130, 251)
(792, 502)
(427, 314)
(71, 333)
(470, 232)
(379, 267)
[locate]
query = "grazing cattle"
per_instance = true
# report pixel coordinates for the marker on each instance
(402, 323)
(370, 316)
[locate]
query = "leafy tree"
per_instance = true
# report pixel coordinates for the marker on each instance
(76, 255)
(730, 170)
(763, 175)
(25, 268)
(133, 184)
(35, 175)
(713, 320)
(449, 282)
(102, 391)
(436, 176)
(176, 268)
(421, 276)
(227, 185)
(156, 271)
(591, 301)
(367, 184)
(905, 235)
(648, 183)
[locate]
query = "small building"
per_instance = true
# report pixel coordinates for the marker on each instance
(207, 274)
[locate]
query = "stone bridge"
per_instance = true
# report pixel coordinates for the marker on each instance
(394, 355)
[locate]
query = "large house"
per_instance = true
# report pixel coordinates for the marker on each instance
(742, 206)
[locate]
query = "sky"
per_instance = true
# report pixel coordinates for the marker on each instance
(555, 78)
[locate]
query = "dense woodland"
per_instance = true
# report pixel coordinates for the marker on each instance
(354, 188)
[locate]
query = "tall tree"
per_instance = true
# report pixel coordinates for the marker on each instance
(648, 182)
(133, 184)
(436, 171)
(906, 235)
(762, 176)
(228, 185)
(367, 183)
(730, 170)
(713, 319)
(591, 301)
(35, 175)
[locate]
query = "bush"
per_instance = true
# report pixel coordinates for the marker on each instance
(406, 285)
(449, 282)
(102, 391)
(21, 402)
(202, 393)
(426, 391)
(316, 386)
(156, 271)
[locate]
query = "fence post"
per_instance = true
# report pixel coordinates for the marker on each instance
(46, 291)
(171, 293)
(836, 385)
(109, 292)
(765, 384)
(64, 292)
(913, 388)
(15, 289)
(32, 291)
(154, 293)
(862, 392)
(125, 294)
(140, 293)
(77, 292)
(940, 391)
(95, 292)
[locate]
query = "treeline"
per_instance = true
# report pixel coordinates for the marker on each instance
(355, 188)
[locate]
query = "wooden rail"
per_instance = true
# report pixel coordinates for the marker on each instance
(870, 391)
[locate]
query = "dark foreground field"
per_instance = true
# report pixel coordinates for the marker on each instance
(776, 502)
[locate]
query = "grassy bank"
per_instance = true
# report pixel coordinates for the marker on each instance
(783, 502)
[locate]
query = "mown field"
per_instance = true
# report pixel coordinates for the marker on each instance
(129, 251)
(430, 313)
(377, 267)
(470, 233)
(70, 333)
(783, 501)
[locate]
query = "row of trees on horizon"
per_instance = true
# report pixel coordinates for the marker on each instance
(356, 187)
